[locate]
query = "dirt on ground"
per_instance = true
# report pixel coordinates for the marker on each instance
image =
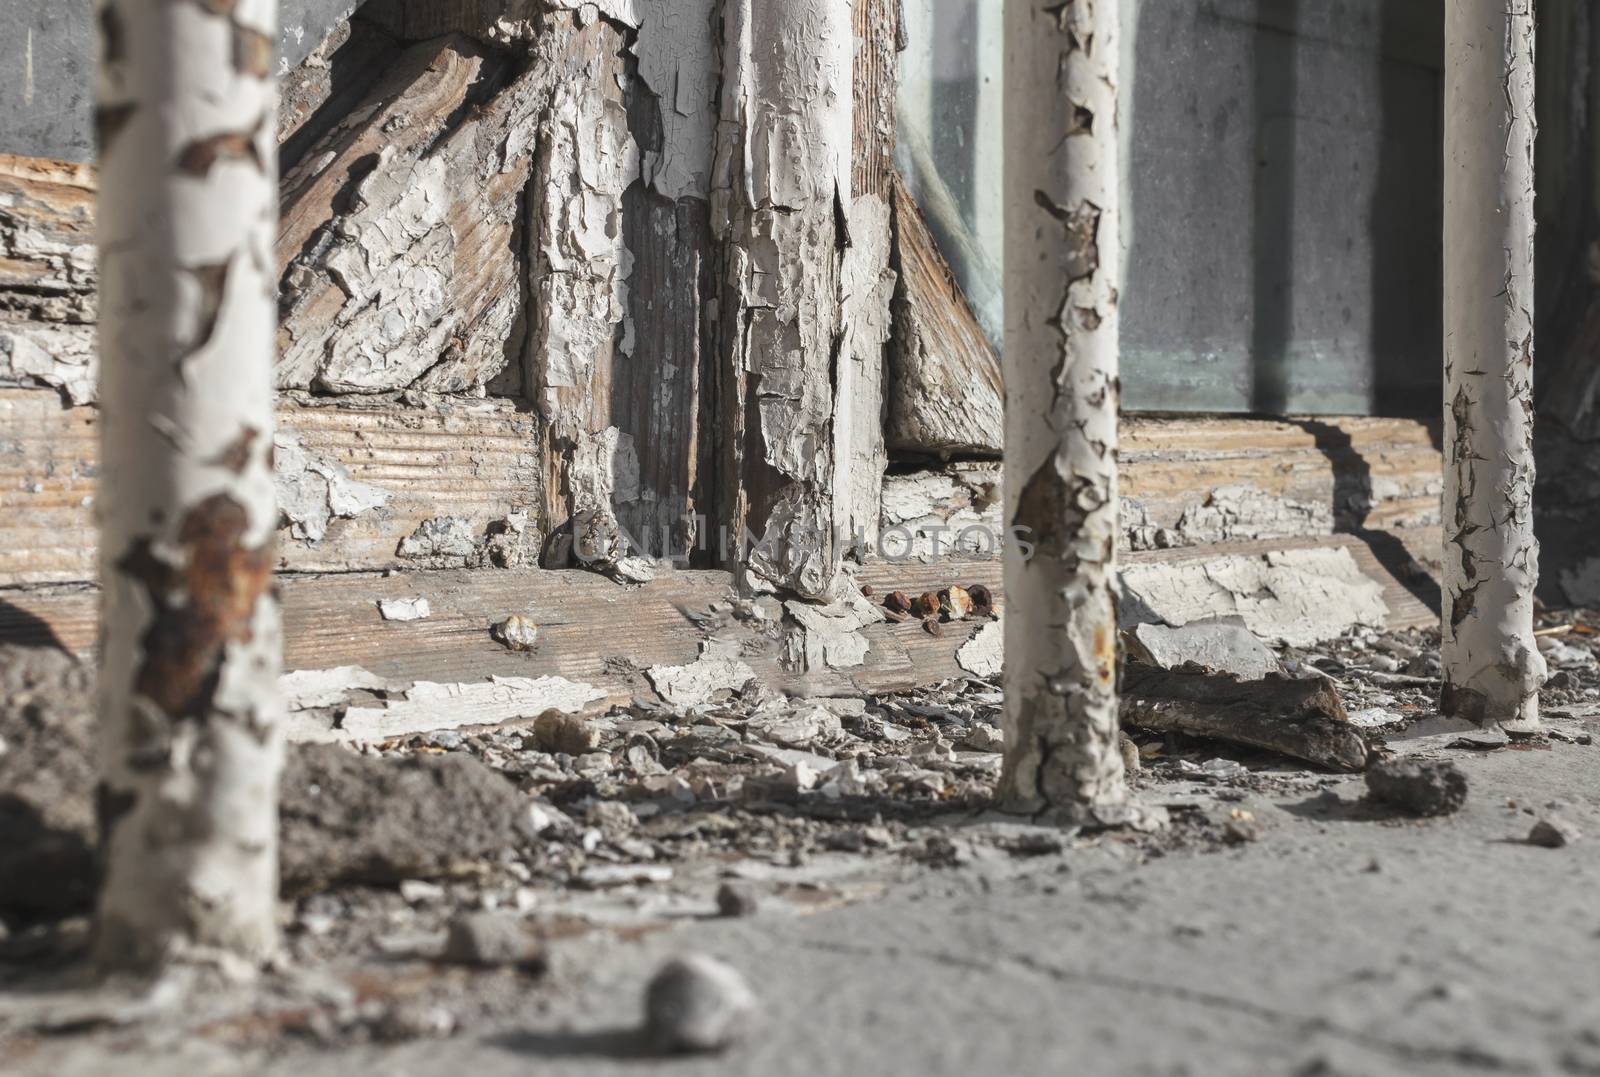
(500, 898)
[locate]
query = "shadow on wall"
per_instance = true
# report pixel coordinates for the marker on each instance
(24, 629)
(1352, 501)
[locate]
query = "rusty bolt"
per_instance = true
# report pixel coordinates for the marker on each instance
(866, 590)
(930, 625)
(898, 602)
(982, 600)
(926, 605)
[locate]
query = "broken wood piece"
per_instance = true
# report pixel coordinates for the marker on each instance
(1302, 719)
(946, 390)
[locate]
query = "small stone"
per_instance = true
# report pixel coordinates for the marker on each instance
(983, 737)
(413, 1019)
(1241, 828)
(697, 1003)
(558, 731)
(737, 897)
(1418, 787)
(491, 938)
(1553, 832)
(614, 818)
(1130, 754)
(420, 891)
(517, 632)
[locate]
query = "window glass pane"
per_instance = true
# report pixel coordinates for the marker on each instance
(1282, 199)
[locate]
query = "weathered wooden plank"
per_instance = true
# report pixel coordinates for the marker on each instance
(326, 87)
(47, 274)
(946, 395)
(1194, 480)
(876, 24)
(585, 161)
(472, 460)
(1185, 481)
(594, 631)
(402, 229)
(660, 394)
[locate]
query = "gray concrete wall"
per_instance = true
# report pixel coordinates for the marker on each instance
(47, 69)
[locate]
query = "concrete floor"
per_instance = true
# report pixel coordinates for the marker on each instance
(1336, 944)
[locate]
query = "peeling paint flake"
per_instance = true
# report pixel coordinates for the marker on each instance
(1297, 597)
(429, 706)
(313, 491)
(404, 609)
(983, 654)
(699, 682)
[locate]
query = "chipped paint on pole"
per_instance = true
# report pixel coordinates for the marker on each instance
(1492, 668)
(190, 741)
(1062, 270)
(780, 203)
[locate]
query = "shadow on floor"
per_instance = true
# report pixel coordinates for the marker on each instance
(626, 1044)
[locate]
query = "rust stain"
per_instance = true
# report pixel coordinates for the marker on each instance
(109, 121)
(198, 156)
(252, 52)
(236, 455)
(203, 604)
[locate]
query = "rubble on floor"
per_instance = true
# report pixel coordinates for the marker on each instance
(712, 796)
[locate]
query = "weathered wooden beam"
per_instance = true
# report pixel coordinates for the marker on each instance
(946, 393)
(621, 349)
(595, 631)
(793, 470)
(354, 483)
(47, 275)
(1196, 480)
(401, 231)
(1187, 482)
(1302, 719)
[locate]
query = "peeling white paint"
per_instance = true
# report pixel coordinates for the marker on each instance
(429, 706)
(829, 636)
(441, 541)
(697, 683)
(404, 609)
(1492, 668)
(309, 689)
(1296, 597)
(983, 655)
(313, 491)
(780, 185)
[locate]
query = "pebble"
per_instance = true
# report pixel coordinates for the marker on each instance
(983, 737)
(697, 1004)
(491, 938)
(1553, 832)
(1417, 786)
(737, 898)
(517, 632)
(419, 891)
(569, 734)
